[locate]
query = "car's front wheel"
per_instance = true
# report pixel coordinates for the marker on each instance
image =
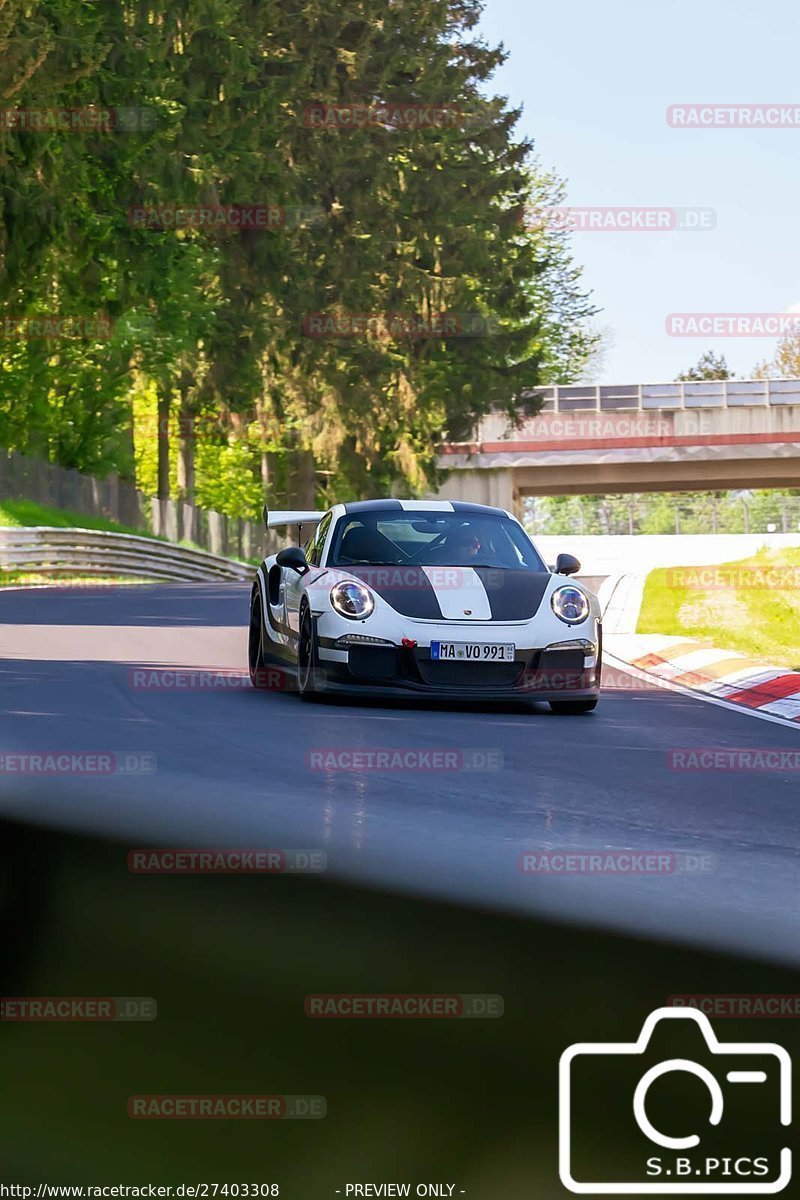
(573, 707)
(255, 648)
(307, 657)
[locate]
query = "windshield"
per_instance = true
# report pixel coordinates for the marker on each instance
(432, 539)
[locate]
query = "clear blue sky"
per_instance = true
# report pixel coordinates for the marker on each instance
(595, 78)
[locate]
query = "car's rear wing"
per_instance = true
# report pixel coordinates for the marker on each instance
(273, 519)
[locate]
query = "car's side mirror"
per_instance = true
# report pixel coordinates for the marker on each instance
(567, 564)
(294, 558)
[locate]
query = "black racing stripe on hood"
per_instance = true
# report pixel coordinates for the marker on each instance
(513, 595)
(407, 589)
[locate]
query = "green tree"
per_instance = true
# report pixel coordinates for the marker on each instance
(709, 366)
(215, 322)
(785, 363)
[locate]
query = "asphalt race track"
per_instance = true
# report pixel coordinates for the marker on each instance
(232, 767)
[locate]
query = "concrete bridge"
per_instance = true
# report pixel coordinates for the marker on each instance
(669, 437)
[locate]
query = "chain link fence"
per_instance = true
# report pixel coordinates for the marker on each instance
(112, 499)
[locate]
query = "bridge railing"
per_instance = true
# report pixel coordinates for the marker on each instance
(42, 550)
(644, 397)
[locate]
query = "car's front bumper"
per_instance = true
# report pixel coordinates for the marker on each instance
(535, 674)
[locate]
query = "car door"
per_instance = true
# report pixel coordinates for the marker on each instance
(294, 584)
(276, 599)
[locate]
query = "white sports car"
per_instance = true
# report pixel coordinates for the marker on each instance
(424, 597)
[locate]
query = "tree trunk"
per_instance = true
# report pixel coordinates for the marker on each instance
(186, 468)
(302, 480)
(270, 473)
(186, 445)
(127, 471)
(163, 441)
(188, 518)
(270, 481)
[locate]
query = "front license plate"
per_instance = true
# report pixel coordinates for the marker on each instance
(473, 651)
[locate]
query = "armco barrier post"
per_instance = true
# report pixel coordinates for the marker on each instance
(215, 532)
(170, 520)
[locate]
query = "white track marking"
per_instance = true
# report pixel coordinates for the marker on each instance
(659, 682)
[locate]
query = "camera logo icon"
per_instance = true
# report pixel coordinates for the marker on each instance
(710, 1127)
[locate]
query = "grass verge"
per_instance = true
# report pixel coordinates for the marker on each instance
(751, 605)
(26, 513)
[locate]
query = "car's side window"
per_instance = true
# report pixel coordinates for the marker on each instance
(314, 552)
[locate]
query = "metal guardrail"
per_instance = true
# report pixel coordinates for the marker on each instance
(44, 550)
(645, 397)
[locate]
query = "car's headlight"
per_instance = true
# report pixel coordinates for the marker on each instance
(570, 605)
(352, 599)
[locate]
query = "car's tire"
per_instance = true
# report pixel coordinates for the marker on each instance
(573, 707)
(256, 666)
(308, 672)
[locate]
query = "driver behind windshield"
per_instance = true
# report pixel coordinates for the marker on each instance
(463, 547)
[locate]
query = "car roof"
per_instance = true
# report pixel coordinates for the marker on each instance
(457, 506)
